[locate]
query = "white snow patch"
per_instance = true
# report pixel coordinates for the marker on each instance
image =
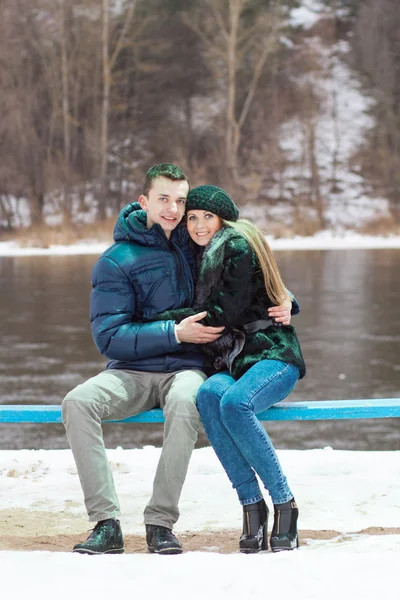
(336, 490)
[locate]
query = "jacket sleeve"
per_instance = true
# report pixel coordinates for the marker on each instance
(112, 310)
(295, 305)
(178, 314)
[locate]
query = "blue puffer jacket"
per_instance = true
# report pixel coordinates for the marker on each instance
(141, 274)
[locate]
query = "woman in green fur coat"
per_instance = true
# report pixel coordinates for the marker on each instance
(256, 363)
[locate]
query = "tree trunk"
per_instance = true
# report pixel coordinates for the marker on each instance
(36, 208)
(104, 111)
(231, 143)
(108, 64)
(315, 181)
(189, 131)
(67, 207)
(6, 212)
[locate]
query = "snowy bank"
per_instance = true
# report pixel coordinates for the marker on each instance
(324, 240)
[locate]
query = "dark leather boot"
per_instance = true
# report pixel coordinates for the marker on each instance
(255, 527)
(161, 540)
(106, 538)
(284, 534)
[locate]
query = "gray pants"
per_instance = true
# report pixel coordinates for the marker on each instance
(116, 394)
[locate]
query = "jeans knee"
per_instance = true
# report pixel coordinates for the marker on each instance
(232, 407)
(214, 386)
(208, 401)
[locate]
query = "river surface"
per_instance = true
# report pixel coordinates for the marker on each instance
(349, 328)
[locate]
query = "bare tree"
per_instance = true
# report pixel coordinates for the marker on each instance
(64, 22)
(235, 41)
(376, 43)
(108, 66)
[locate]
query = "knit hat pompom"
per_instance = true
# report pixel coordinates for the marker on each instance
(213, 199)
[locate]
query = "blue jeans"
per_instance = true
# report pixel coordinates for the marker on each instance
(228, 410)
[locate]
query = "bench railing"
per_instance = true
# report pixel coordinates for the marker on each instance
(313, 410)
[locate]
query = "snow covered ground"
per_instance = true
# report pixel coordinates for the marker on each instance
(336, 490)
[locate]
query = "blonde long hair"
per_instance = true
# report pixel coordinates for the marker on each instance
(274, 285)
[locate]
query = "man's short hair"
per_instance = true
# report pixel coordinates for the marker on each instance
(163, 170)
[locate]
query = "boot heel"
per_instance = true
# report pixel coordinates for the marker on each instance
(284, 534)
(255, 528)
(264, 545)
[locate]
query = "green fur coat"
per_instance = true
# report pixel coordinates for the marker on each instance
(230, 287)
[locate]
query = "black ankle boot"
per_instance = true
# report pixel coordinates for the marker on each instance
(255, 527)
(106, 538)
(161, 540)
(284, 534)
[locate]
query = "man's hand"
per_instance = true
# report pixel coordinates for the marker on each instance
(282, 313)
(189, 330)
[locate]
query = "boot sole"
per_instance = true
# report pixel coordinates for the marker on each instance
(250, 550)
(165, 550)
(94, 553)
(283, 547)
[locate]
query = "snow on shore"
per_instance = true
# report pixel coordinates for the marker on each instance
(340, 490)
(324, 240)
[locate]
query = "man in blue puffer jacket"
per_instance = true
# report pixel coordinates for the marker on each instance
(147, 270)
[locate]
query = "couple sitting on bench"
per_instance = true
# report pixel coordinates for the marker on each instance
(189, 307)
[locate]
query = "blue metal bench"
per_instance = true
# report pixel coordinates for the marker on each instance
(373, 408)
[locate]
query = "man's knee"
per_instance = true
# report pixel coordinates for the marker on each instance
(182, 396)
(183, 405)
(78, 401)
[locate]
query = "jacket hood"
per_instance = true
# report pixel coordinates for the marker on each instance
(131, 226)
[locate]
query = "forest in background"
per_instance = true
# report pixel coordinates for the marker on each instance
(93, 92)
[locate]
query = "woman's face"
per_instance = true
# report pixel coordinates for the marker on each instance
(202, 225)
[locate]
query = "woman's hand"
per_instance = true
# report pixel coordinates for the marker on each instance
(281, 313)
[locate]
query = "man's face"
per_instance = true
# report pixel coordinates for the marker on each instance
(165, 203)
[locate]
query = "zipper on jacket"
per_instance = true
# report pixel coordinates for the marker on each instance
(185, 274)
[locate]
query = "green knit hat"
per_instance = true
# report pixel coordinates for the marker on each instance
(214, 199)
